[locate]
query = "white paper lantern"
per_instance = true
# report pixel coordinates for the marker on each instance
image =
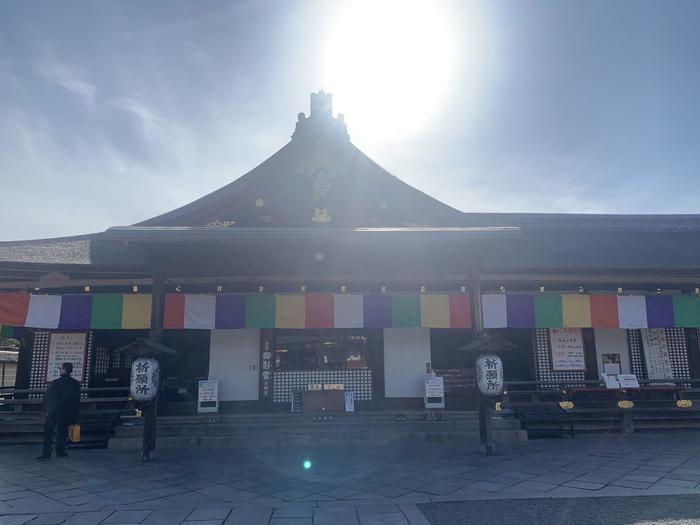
(489, 374)
(145, 378)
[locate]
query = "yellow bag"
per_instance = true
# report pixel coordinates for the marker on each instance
(74, 433)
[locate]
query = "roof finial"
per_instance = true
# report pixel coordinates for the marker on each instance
(321, 121)
(321, 105)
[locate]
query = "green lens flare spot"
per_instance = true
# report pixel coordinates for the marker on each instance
(307, 464)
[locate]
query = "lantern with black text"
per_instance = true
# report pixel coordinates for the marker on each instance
(489, 374)
(145, 378)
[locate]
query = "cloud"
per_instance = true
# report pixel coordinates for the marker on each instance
(152, 124)
(69, 79)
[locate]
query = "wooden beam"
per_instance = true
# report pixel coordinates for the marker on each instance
(475, 296)
(157, 305)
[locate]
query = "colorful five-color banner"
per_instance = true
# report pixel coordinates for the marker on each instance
(222, 311)
(326, 310)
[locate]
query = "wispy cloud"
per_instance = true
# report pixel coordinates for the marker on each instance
(68, 78)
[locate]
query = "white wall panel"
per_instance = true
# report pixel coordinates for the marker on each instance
(612, 341)
(406, 350)
(234, 360)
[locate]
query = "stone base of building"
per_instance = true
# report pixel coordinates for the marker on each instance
(307, 430)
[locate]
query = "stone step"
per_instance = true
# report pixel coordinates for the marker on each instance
(316, 439)
(197, 426)
(304, 430)
(280, 418)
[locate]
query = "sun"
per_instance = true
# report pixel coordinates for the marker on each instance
(388, 64)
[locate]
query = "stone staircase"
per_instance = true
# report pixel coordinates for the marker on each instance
(287, 430)
(26, 427)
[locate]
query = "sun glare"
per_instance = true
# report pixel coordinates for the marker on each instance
(388, 66)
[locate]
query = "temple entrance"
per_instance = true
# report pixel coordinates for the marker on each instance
(343, 359)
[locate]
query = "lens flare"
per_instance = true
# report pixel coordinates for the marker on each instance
(388, 65)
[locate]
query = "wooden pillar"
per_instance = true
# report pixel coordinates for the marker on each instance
(485, 431)
(156, 334)
(158, 305)
(475, 296)
(627, 423)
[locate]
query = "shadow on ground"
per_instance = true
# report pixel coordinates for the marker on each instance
(675, 510)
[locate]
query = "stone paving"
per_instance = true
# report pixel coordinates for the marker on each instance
(345, 485)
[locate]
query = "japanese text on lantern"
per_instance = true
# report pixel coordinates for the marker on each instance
(141, 377)
(145, 378)
(489, 374)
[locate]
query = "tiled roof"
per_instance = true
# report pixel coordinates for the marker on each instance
(83, 250)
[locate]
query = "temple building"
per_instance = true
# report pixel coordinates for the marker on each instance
(318, 267)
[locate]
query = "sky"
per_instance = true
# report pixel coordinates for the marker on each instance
(112, 112)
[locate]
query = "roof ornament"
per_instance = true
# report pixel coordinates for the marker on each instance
(218, 223)
(321, 105)
(321, 170)
(320, 120)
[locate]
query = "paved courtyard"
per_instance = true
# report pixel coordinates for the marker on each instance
(342, 486)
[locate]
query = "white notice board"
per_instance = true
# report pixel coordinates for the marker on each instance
(349, 401)
(208, 396)
(628, 381)
(434, 392)
(656, 353)
(66, 348)
(567, 349)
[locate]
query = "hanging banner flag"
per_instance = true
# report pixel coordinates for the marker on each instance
(521, 311)
(660, 311)
(377, 311)
(136, 311)
(434, 311)
(230, 311)
(200, 312)
(632, 311)
(174, 311)
(495, 310)
(319, 310)
(260, 311)
(348, 311)
(75, 312)
(291, 311)
(44, 311)
(604, 311)
(576, 310)
(686, 311)
(326, 310)
(460, 311)
(656, 353)
(548, 311)
(107, 310)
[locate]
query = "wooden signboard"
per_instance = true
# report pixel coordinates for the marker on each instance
(208, 396)
(567, 349)
(66, 348)
(656, 353)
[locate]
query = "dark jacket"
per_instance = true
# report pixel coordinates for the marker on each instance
(62, 400)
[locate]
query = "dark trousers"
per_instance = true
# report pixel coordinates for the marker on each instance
(57, 425)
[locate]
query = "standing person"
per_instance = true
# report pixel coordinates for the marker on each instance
(61, 407)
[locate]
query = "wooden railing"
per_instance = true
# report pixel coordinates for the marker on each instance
(547, 391)
(108, 399)
(589, 400)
